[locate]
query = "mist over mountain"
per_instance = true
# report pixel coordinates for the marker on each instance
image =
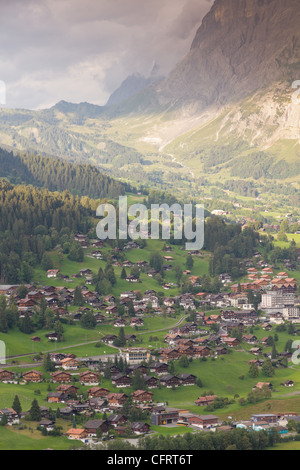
(226, 109)
(242, 46)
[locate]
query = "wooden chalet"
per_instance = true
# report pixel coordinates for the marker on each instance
(205, 401)
(94, 426)
(170, 381)
(142, 396)
(33, 376)
(61, 377)
(116, 400)
(121, 381)
(89, 378)
(6, 376)
(187, 379)
(159, 368)
(98, 392)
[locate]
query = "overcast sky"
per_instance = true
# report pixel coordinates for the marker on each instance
(81, 50)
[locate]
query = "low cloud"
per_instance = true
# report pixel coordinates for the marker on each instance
(82, 51)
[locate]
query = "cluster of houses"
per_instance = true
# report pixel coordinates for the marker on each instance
(261, 279)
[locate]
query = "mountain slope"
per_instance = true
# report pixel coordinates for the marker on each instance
(242, 46)
(226, 109)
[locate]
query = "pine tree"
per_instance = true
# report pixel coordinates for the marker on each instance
(48, 364)
(78, 297)
(35, 411)
(274, 352)
(17, 405)
(123, 273)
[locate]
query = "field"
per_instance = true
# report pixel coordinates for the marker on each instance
(13, 439)
(179, 255)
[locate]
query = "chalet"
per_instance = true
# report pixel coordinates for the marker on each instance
(56, 397)
(262, 385)
(120, 323)
(85, 272)
(172, 338)
(32, 376)
(136, 322)
(116, 400)
(250, 339)
(98, 244)
(288, 383)
(140, 428)
(264, 341)
(170, 381)
(111, 310)
(205, 401)
(109, 339)
(11, 415)
(81, 408)
(68, 390)
(52, 336)
(69, 364)
(159, 368)
(61, 377)
(117, 420)
(47, 424)
(221, 351)
(127, 295)
(93, 427)
(282, 275)
(201, 351)
(77, 434)
(98, 392)
(141, 368)
(57, 357)
(121, 381)
(97, 254)
(168, 355)
(113, 370)
(6, 376)
(186, 351)
(256, 351)
(89, 378)
(52, 273)
(187, 379)
(132, 278)
(141, 396)
(35, 296)
(25, 305)
(98, 405)
(231, 342)
(151, 382)
(99, 317)
(130, 338)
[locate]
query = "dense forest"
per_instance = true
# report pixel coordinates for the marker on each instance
(58, 175)
(33, 221)
(229, 244)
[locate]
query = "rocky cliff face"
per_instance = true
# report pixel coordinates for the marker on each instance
(242, 46)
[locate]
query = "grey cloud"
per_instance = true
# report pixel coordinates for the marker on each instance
(82, 51)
